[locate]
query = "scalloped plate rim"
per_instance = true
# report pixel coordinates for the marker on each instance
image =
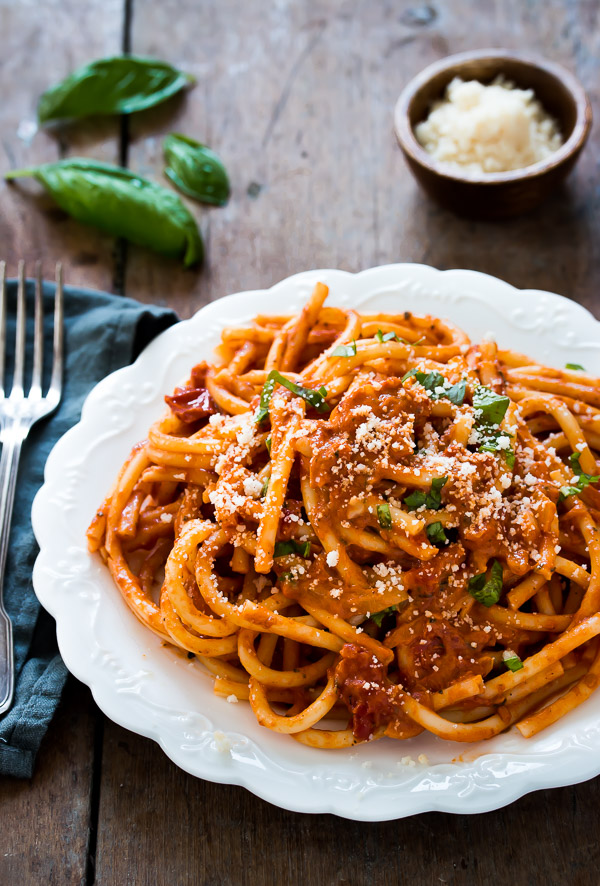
(511, 788)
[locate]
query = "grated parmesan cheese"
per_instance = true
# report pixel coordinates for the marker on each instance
(496, 128)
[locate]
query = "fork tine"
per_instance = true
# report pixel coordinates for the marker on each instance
(57, 365)
(2, 323)
(38, 336)
(17, 387)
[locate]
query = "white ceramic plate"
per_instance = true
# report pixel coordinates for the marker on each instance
(152, 690)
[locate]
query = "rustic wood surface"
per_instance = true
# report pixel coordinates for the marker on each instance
(297, 98)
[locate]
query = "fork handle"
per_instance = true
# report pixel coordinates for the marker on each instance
(12, 439)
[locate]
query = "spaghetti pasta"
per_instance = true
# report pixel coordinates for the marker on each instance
(368, 518)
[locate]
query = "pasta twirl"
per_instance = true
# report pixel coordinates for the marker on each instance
(367, 526)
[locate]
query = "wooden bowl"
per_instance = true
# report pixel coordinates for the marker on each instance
(499, 194)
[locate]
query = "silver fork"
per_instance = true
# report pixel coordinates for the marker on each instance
(17, 415)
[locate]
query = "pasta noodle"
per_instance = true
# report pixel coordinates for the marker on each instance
(366, 526)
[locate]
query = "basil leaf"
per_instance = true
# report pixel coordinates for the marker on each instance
(434, 498)
(378, 617)
(431, 499)
(574, 459)
(119, 85)
(268, 445)
(286, 576)
(263, 409)
(509, 457)
(285, 548)
(390, 336)
(566, 491)
(265, 487)
(576, 366)
(122, 204)
(431, 381)
(195, 169)
(491, 405)
(345, 350)
(314, 398)
(415, 500)
(456, 394)
(384, 516)
(513, 663)
(487, 590)
(436, 534)
(583, 479)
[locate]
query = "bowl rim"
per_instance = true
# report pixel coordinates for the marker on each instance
(413, 149)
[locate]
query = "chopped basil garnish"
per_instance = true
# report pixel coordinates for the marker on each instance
(433, 381)
(345, 350)
(263, 491)
(456, 394)
(312, 397)
(576, 366)
(384, 516)
(386, 336)
(583, 479)
(268, 442)
(436, 534)
(390, 336)
(431, 499)
(487, 590)
(285, 548)
(286, 576)
(490, 438)
(378, 617)
(513, 663)
(492, 406)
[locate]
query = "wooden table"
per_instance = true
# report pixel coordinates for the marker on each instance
(297, 97)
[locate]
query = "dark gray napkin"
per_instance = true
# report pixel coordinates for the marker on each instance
(102, 333)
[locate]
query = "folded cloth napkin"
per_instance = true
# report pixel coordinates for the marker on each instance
(102, 333)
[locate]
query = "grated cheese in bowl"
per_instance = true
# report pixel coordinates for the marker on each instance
(485, 129)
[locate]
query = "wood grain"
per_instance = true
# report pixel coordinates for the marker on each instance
(45, 822)
(160, 826)
(46, 41)
(298, 100)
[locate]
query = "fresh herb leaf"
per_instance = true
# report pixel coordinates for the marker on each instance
(265, 487)
(268, 443)
(436, 533)
(574, 460)
(122, 204)
(378, 617)
(312, 397)
(434, 497)
(431, 499)
(431, 381)
(487, 590)
(492, 406)
(195, 169)
(345, 350)
(118, 85)
(456, 394)
(490, 443)
(286, 576)
(384, 516)
(285, 548)
(513, 663)
(390, 336)
(583, 479)
(576, 366)
(263, 408)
